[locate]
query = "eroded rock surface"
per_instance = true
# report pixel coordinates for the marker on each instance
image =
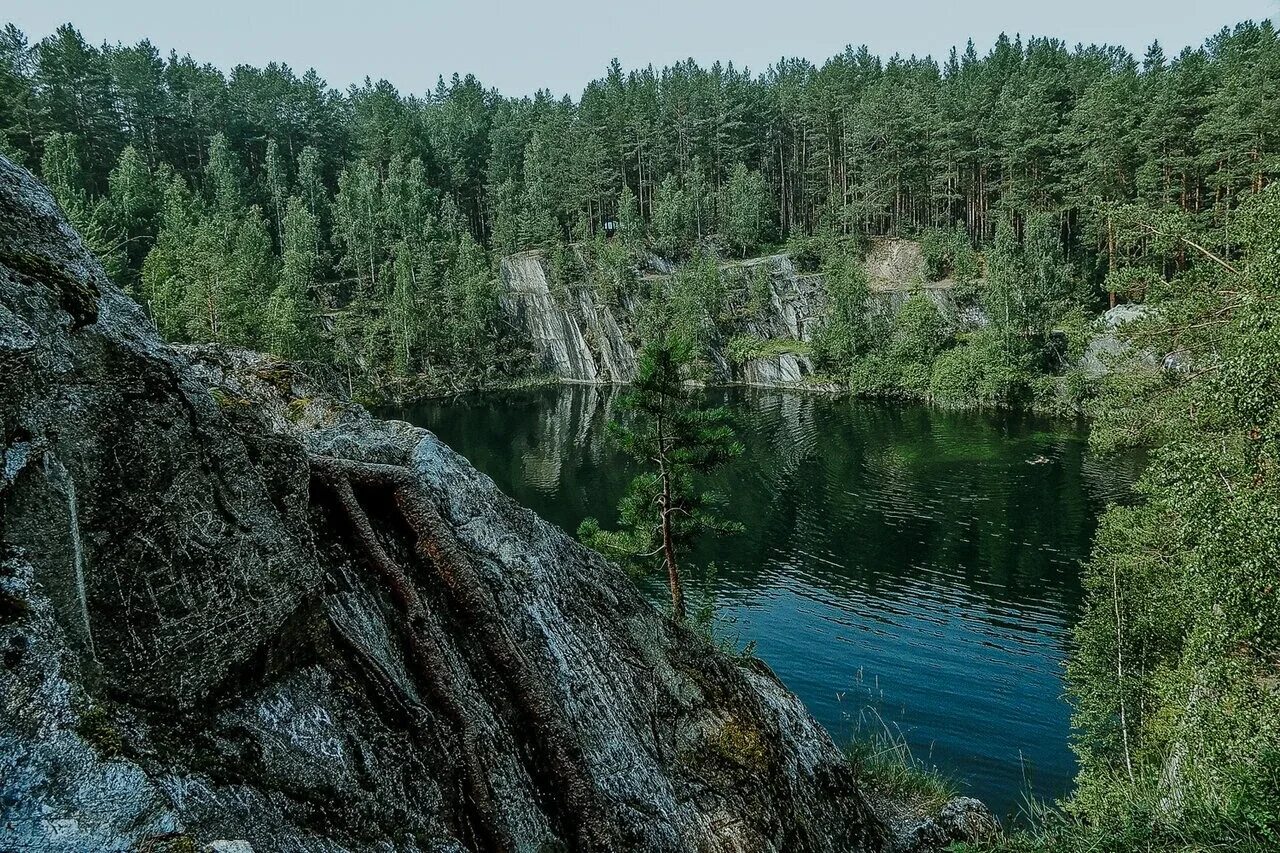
(578, 335)
(236, 612)
(574, 334)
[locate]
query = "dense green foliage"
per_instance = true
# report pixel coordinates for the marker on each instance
(665, 426)
(1018, 347)
(1178, 671)
(949, 254)
(1176, 675)
(266, 209)
(852, 331)
(366, 220)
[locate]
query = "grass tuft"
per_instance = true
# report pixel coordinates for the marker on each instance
(885, 762)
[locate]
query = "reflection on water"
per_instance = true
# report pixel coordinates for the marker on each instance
(898, 564)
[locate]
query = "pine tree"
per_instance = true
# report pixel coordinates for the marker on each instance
(290, 329)
(673, 222)
(212, 267)
(74, 93)
(18, 132)
(357, 225)
(142, 101)
(663, 423)
(744, 209)
(473, 299)
(631, 225)
(63, 166)
(164, 272)
(133, 210)
(277, 194)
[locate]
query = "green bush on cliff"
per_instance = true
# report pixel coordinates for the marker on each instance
(695, 303)
(919, 336)
(851, 331)
(1023, 356)
(742, 348)
(949, 253)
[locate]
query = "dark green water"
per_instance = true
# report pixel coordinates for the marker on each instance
(900, 567)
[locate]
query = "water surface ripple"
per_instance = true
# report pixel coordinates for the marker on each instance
(899, 566)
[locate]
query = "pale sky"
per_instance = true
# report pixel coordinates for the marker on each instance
(563, 44)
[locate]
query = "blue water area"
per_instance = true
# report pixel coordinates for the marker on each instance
(902, 569)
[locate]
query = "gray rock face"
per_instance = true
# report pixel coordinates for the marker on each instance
(98, 401)
(237, 613)
(962, 819)
(782, 370)
(958, 315)
(225, 846)
(575, 337)
(796, 303)
(1106, 349)
(792, 311)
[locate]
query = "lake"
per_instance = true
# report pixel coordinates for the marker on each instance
(900, 567)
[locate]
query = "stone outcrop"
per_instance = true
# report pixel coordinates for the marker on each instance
(578, 336)
(774, 302)
(1106, 348)
(237, 612)
(775, 371)
(958, 314)
(574, 334)
(795, 303)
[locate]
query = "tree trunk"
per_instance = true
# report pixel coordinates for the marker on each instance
(1111, 260)
(669, 552)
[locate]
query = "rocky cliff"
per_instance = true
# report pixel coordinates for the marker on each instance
(575, 335)
(578, 336)
(234, 607)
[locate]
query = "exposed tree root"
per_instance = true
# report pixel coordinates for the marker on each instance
(437, 544)
(562, 778)
(427, 654)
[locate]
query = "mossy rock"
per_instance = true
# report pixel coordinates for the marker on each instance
(178, 842)
(296, 409)
(100, 731)
(741, 745)
(226, 400)
(279, 375)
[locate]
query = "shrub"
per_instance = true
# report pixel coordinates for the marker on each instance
(948, 253)
(919, 334)
(956, 376)
(983, 371)
(742, 348)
